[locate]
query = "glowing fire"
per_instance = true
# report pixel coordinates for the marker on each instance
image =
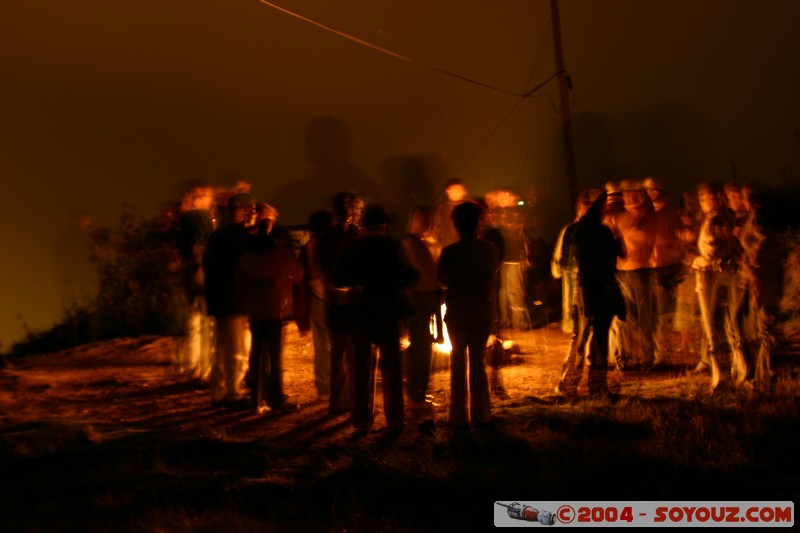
(444, 346)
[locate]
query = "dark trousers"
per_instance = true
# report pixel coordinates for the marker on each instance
(638, 330)
(470, 401)
(572, 367)
(420, 349)
(599, 314)
(387, 354)
(266, 366)
(341, 355)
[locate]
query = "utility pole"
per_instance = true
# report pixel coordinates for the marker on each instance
(566, 115)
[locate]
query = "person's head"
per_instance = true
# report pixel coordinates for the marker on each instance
(733, 196)
(466, 218)
(267, 215)
(585, 200)
(242, 208)
(455, 190)
(710, 197)
(613, 192)
(506, 197)
(421, 220)
(199, 195)
(597, 209)
(241, 186)
(347, 208)
(633, 192)
(319, 221)
(749, 197)
(376, 219)
(655, 188)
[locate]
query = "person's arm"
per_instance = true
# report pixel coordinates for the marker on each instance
(555, 260)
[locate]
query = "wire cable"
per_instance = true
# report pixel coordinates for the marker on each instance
(402, 57)
(521, 96)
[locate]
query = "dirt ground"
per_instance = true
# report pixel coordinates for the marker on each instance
(110, 437)
(131, 385)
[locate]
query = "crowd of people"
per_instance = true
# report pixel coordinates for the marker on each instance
(356, 291)
(637, 264)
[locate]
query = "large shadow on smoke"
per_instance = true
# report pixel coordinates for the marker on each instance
(329, 150)
(409, 182)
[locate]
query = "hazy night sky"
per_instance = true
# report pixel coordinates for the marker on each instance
(104, 103)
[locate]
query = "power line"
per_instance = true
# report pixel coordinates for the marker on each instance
(521, 96)
(405, 58)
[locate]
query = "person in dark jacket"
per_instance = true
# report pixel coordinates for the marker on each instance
(375, 269)
(564, 266)
(468, 272)
(264, 282)
(422, 250)
(347, 209)
(225, 247)
(596, 253)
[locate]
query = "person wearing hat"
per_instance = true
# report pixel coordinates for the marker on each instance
(377, 272)
(225, 247)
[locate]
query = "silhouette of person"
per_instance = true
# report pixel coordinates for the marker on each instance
(687, 307)
(716, 275)
(225, 247)
(507, 231)
(313, 301)
(636, 227)
(564, 265)
(377, 272)
(596, 253)
(195, 226)
(468, 272)
(264, 281)
(666, 262)
(423, 252)
(347, 209)
(761, 275)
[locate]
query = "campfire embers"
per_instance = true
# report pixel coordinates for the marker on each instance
(498, 350)
(439, 332)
